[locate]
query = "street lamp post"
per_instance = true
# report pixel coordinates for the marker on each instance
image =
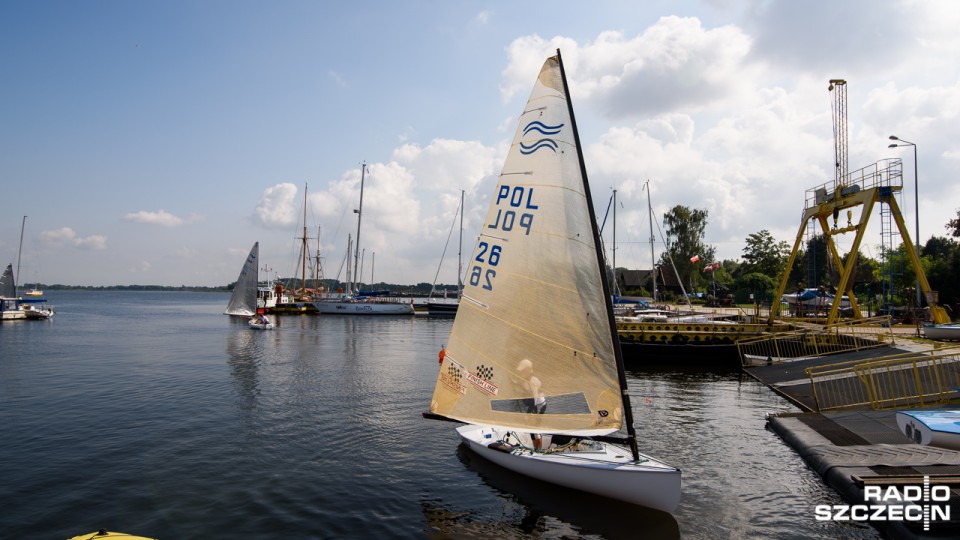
(916, 205)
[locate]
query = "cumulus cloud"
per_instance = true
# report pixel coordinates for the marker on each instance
(160, 217)
(278, 207)
(676, 63)
(67, 236)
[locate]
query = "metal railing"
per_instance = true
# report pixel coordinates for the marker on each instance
(906, 380)
(816, 340)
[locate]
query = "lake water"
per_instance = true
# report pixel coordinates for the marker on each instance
(154, 414)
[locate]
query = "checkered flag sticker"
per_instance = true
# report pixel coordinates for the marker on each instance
(453, 371)
(485, 372)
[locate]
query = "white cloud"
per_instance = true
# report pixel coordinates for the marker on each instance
(141, 267)
(278, 207)
(482, 18)
(674, 64)
(160, 217)
(67, 236)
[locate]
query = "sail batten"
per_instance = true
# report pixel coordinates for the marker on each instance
(531, 350)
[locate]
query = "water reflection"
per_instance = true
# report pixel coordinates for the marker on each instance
(544, 510)
(244, 350)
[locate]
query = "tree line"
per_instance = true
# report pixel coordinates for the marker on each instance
(764, 259)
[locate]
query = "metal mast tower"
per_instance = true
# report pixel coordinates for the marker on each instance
(863, 189)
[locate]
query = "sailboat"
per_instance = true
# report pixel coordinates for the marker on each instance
(13, 306)
(358, 304)
(243, 301)
(542, 391)
(10, 308)
(246, 300)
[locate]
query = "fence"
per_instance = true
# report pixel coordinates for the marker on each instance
(910, 379)
(814, 341)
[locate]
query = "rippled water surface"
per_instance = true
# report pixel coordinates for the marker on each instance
(154, 414)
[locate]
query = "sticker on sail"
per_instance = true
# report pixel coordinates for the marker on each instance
(453, 376)
(546, 142)
(539, 126)
(481, 379)
(527, 149)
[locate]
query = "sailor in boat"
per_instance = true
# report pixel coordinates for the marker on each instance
(537, 402)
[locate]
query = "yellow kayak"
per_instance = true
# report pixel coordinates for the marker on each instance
(107, 534)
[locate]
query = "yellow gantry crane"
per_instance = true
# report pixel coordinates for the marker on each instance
(865, 188)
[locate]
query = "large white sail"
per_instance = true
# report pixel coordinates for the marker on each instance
(531, 346)
(8, 285)
(243, 301)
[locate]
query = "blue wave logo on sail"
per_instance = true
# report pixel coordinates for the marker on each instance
(546, 142)
(542, 128)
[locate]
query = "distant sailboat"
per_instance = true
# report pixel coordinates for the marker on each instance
(351, 303)
(14, 307)
(10, 309)
(513, 370)
(243, 301)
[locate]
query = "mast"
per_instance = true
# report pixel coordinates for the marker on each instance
(460, 252)
(318, 271)
(621, 375)
(349, 274)
(23, 225)
(359, 212)
(653, 261)
(303, 258)
(616, 285)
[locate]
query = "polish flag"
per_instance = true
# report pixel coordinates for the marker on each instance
(695, 258)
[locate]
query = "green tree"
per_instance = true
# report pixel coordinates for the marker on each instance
(685, 229)
(943, 255)
(761, 286)
(953, 226)
(764, 255)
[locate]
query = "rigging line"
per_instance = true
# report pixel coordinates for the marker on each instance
(673, 265)
(442, 255)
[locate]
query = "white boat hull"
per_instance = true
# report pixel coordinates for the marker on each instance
(943, 332)
(37, 312)
(940, 428)
(608, 471)
(260, 325)
(363, 308)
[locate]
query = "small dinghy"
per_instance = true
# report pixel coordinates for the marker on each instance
(260, 322)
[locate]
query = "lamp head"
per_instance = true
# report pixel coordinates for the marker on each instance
(894, 138)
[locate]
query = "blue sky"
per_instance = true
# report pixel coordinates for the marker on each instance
(154, 142)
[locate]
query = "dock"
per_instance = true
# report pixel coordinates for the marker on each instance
(850, 387)
(852, 450)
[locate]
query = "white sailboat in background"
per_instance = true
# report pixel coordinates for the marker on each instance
(243, 301)
(513, 370)
(13, 306)
(246, 301)
(353, 303)
(10, 309)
